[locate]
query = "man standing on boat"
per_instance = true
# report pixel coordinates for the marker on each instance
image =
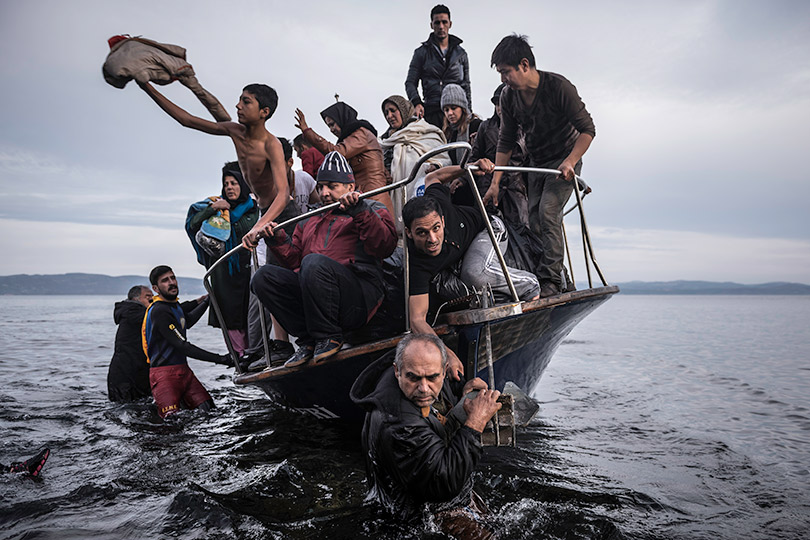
(558, 129)
(174, 385)
(422, 446)
(331, 280)
(439, 61)
(443, 236)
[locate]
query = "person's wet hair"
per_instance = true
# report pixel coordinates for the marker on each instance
(135, 292)
(511, 50)
(287, 147)
(158, 271)
(419, 338)
(266, 96)
(419, 207)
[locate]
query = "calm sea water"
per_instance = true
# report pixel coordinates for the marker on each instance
(671, 417)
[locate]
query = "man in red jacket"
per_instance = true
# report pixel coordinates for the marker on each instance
(331, 277)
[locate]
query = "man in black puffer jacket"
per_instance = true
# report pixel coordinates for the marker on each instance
(417, 458)
(128, 376)
(439, 61)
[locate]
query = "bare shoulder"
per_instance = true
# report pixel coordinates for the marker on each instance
(272, 146)
(233, 128)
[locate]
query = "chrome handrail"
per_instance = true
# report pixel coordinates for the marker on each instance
(589, 254)
(307, 215)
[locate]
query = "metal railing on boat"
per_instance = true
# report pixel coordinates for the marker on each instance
(588, 250)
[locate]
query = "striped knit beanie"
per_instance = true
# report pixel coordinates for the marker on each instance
(453, 94)
(335, 168)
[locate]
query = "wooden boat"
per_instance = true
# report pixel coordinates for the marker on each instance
(523, 336)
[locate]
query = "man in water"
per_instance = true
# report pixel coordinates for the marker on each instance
(558, 128)
(420, 455)
(441, 236)
(259, 152)
(128, 376)
(174, 385)
(439, 61)
(331, 277)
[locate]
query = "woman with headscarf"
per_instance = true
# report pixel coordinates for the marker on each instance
(230, 280)
(407, 139)
(459, 125)
(357, 142)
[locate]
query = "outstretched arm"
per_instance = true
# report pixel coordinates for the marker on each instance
(182, 116)
(445, 174)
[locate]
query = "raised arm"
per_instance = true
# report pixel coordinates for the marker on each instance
(446, 174)
(182, 116)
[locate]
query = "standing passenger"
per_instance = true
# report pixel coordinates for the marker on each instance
(439, 61)
(405, 141)
(357, 142)
(558, 129)
(230, 280)
(302, 185)
(460, 124)
(260, 156)
(310, 158)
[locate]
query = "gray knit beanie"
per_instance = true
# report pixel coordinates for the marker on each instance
(453, 94)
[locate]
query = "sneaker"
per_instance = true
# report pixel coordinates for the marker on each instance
(280, 351)
(547, 288)
(258, 365)
(325, 348)
(248, 359)
(300, 357)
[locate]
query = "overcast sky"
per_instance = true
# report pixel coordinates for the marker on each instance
(701, 112)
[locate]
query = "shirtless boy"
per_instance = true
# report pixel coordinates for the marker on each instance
(258, 151)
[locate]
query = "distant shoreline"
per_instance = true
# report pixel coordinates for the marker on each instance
(100, 284)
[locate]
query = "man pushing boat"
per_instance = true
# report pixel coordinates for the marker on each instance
(422, 446)
(174, 385)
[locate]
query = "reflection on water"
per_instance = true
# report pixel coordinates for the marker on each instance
(661, 417)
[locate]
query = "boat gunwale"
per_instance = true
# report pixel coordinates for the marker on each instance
(449, 322)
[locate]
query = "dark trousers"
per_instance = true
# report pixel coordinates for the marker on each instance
(319, 302)
(434, 115)
(548, 194)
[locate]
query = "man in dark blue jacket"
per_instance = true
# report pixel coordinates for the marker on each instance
(418, 458)
(439, 61)
(174, 385)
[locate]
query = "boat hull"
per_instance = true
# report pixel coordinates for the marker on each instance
(522, 346)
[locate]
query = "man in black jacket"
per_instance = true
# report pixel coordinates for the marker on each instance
(128, 376)
(439, 61)
(417, 457)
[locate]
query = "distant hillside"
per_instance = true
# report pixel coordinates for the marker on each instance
(711, 287)
(119, 285)
(86, 284)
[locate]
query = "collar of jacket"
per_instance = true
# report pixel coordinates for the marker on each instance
(453, 41)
